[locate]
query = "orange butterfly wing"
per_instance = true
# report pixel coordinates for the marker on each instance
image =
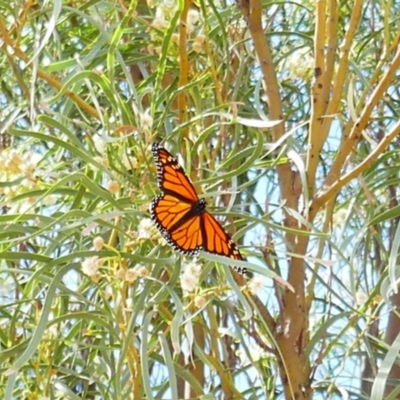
(171, 177)
(177, 223)
(181, 216)
(176, 212)
(217, 241)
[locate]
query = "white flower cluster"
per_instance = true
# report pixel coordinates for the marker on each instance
(22, 168)
(190, 276)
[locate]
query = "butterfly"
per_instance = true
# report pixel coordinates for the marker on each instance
(181, 216)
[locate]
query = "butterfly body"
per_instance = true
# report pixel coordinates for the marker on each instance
(182, 217)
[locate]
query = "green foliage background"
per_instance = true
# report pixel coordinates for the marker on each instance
(87, 87)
